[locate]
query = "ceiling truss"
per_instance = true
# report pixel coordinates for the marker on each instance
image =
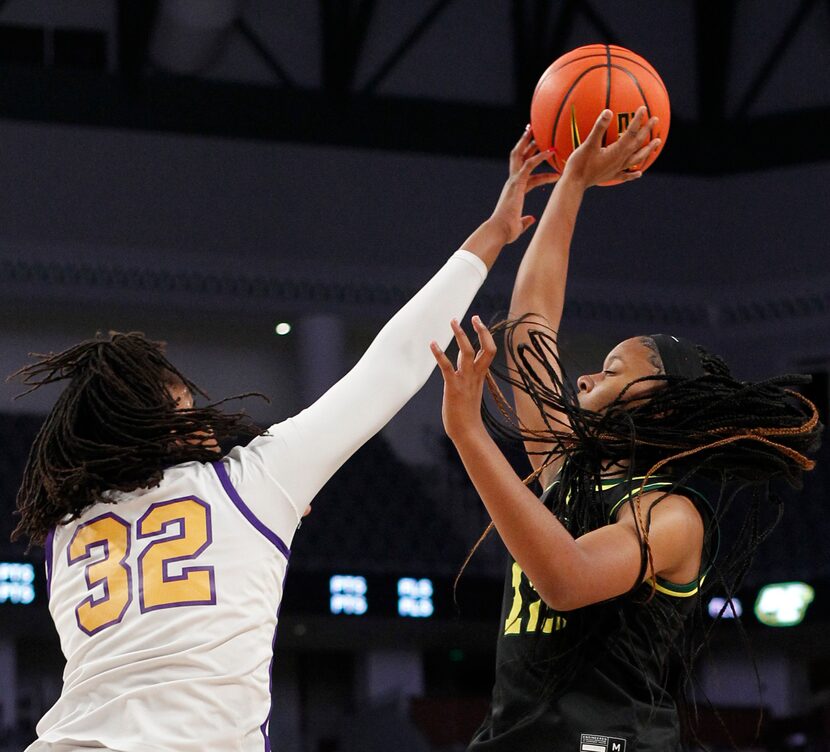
(348, 109)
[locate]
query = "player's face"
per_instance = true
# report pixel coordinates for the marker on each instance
(628, 361)
(184, 401)
(181, 395)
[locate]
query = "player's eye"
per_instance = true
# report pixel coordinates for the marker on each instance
(609, 373)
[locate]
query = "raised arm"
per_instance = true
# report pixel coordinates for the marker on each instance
(567, 572)
(306, 450)
(540, 282)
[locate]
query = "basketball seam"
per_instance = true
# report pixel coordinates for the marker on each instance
(652, 73)
(599, 51)
(637, 84)
(645, 101)
(565, 99)
(579, 78)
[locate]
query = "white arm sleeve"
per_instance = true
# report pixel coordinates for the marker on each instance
(298, 456)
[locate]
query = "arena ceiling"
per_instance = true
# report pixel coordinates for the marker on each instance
(252, 156)
(748, 78)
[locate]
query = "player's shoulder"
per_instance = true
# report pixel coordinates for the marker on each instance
(674, 509)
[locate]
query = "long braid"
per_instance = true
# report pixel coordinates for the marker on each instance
(115, 427)
(740, 435)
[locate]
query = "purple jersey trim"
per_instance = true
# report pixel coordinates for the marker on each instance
(265, 728)
(265, 734)
(225, 480)
(50, 542)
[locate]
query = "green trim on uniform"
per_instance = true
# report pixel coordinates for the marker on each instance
(604, 485)
(674, 589)
(647, 487)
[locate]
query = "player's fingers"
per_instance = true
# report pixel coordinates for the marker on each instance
(628, 176)
(524, 140)
(517, 152)
(466, 352)
(646, 130)
(527, 221)
(630, 138)
(640, 156)
(600, 126)
(638, 121)
(487, 344)
(544, 178)
(444, 364)
(531, 164)
(531, 149)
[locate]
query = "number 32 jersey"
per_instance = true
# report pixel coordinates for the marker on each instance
(166, 600)
(166, 606)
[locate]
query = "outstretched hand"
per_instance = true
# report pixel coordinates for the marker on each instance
(525, 157)
(592, 163)
(464, 382)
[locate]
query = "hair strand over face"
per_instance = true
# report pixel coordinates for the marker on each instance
(737, 437)
(115, 427)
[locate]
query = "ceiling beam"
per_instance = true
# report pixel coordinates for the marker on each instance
(251, 36)
(538, 39)
(344, 29)
(774, 57)
(213, 108)
(714, 23)
(417, 31)
(135, 22)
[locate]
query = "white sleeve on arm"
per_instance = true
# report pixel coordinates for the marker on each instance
(300, 454)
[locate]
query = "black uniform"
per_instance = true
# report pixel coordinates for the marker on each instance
(616, 700)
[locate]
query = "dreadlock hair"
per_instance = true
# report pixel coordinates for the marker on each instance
(115, 427)
(741, 437)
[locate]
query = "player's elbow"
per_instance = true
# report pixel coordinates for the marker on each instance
(568, 601)
(561, 600)
(567, 588)
(557, 591)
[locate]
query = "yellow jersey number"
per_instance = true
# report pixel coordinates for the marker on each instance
(524, 614)
(157, 587)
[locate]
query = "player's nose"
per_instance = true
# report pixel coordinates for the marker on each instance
(585, 383)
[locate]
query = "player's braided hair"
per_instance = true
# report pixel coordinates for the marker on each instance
(740, 437)
(115, 427)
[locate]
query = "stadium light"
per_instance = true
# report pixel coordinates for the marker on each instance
(17, 583)
(783, 604)
(730, 608)
(348, 595)
(415, 597)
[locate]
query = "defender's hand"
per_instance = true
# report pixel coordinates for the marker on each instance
(524, 158)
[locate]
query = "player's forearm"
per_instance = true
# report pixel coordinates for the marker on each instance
(398, 361)
(401, 350)
(543, 548)
(487, 241)
(393, 369)
(541, 279)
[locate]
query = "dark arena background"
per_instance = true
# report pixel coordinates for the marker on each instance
(262, 183)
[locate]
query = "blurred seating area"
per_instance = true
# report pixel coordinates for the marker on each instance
(382, 514)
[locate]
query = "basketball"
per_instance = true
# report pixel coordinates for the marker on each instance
(582, 83)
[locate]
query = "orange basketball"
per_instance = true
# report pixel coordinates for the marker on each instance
(582, 83)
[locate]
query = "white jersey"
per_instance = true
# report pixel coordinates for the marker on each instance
(166, 601)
